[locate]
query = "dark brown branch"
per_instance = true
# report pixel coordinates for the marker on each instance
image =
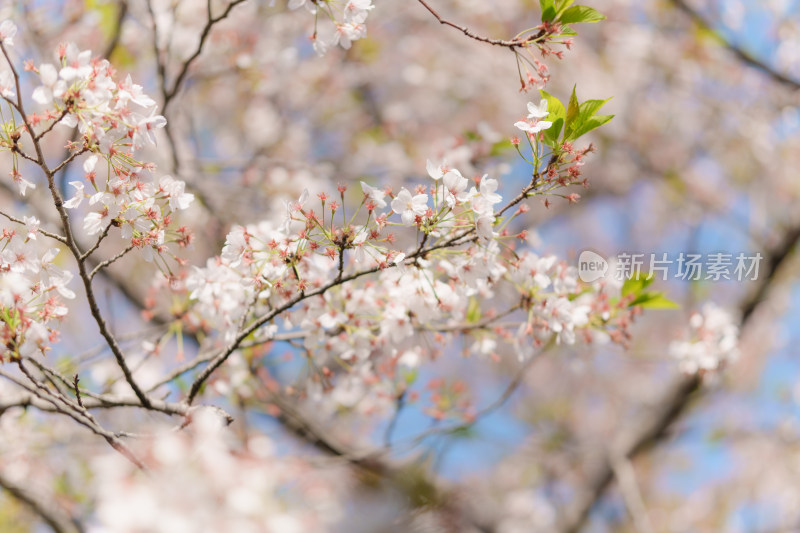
(117, 32)
(54, 517)
(75, 383)
(176, 85)
(512, 44)
(58, 201)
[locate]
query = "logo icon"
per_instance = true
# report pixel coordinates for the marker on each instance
(591, 266)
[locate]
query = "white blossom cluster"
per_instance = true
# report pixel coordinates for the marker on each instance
(374, 298)
(250, 490)
(31, 288)
(348, 17)
(116, 118)
(713, 341)
(81, 91)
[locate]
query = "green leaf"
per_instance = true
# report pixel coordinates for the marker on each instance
(636, 285)
(473, 311)
(561, 6)
(548, 10)
(472, 135)
(589, 125)
(572, 113)
(552, 133)
(590, 107)
(654, 300)
(577, 14)
(500, 148)
(557, 114)
(566, 31)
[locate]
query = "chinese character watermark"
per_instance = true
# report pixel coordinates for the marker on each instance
(715, 266)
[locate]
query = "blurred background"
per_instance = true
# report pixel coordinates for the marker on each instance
(702, 157)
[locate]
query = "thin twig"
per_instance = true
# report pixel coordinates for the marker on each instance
(513, 43)
(103, 264)
(58, 201)
(55, 236)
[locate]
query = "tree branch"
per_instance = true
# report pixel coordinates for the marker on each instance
(512, 44)
(53, 516)
(650, 427)
(742, 55)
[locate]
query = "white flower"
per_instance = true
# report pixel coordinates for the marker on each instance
(488, 186)
(533, 127)
(147, 126)
(537, 112)
(435, 172)
(174, 189)
(19, 258)
(93, 223)
(455, 186)
(376, 195)
(7, 32)
(409, 207)
(483, 227)
(7, 84)
(51, 86)
(90, 164)
(295, 4)
(536, 269)
(236, 244)
(129, 91)
(32, 225)
(348, 32)
(358, 245)
(399, 261)
(535, 124)
(320, 45)
(410, 359)
(483, 201)
(78, 64)
(357, 9)
(23, 184)
(713, 341)
(484, 346)
(563, 316)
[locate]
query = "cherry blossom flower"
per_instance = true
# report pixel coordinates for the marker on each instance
(537, 112)
(7, 84)
(175, 191)
(455, 188)
(409, 207)
(52, 87)
(376, 195)
(533, 127)
(7, 32)
(534, 124)
(32, 226)
(713, 341)
(77, 199)
(22, 184)
(436, 172)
